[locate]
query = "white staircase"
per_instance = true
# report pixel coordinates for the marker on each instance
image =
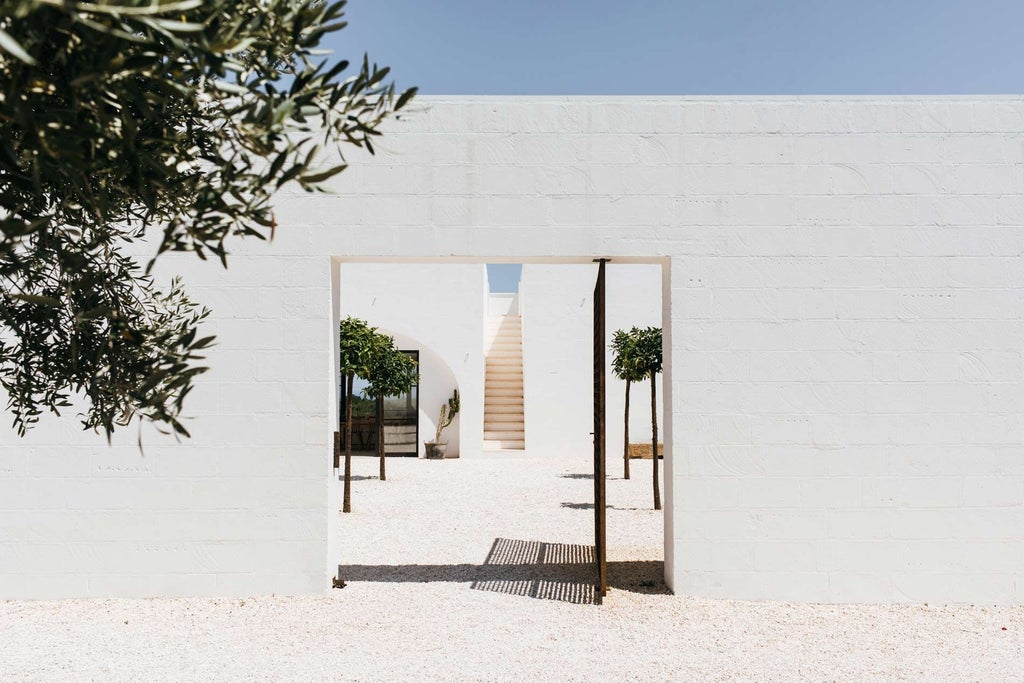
(503, 384)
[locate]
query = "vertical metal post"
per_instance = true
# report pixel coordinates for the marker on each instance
(599, 431)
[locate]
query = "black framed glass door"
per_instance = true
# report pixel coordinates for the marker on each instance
(400, 417)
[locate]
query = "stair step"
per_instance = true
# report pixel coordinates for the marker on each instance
(509, 400)
(508, 358)
(507, 389)
(509, 426)
(504, 435)
(509, 445)
(512, 412)
(505, 376)
(503, 418)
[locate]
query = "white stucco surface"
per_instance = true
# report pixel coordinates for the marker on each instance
(843, 285)
(558, 365)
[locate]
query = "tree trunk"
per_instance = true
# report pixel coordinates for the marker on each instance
(625, 438)
(654, 441)
(380, 436)
(346, 505)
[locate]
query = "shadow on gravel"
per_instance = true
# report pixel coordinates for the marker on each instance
(534, 569)
(590, 506)
(587, 476)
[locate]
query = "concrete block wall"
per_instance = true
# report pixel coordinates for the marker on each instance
(844, 284)
(844, 295)
(238, 509)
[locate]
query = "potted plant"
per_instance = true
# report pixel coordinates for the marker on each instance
(435, 449)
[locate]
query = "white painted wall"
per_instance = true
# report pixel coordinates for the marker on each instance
(437, 309)
(844, 377)
(236, 510)
(557, 356)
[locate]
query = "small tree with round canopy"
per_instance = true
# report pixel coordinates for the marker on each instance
(358, 346)
(625, 367)
(647, 352)
(391, 373)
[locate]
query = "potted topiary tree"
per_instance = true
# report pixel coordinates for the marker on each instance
(435, 449)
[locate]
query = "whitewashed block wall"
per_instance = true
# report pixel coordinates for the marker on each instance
(844, 295)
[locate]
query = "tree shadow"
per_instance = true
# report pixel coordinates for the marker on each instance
(534, 569)
(590, 506)
(587, 476)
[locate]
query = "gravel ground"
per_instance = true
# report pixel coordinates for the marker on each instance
(475, 569)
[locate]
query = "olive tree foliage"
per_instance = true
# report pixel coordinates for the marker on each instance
(123, 119)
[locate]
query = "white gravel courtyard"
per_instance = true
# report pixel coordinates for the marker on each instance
(479, 569)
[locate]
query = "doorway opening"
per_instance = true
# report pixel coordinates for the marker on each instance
(560, 394)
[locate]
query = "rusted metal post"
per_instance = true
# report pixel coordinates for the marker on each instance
(346, 504)
(654, 440)
(599, 431)
(380, 436)
(625, 437)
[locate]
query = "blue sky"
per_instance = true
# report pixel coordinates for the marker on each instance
(684, 47)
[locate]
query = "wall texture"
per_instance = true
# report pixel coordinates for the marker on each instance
(844, 290)
(557, 334)
(239, 509)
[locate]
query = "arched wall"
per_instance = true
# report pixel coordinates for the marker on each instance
(440, 310)
(437, 381)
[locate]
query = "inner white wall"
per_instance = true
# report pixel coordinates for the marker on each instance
(557, 341)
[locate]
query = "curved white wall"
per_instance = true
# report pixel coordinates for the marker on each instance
(436, 384)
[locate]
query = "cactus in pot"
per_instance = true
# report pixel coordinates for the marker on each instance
(436, 448)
